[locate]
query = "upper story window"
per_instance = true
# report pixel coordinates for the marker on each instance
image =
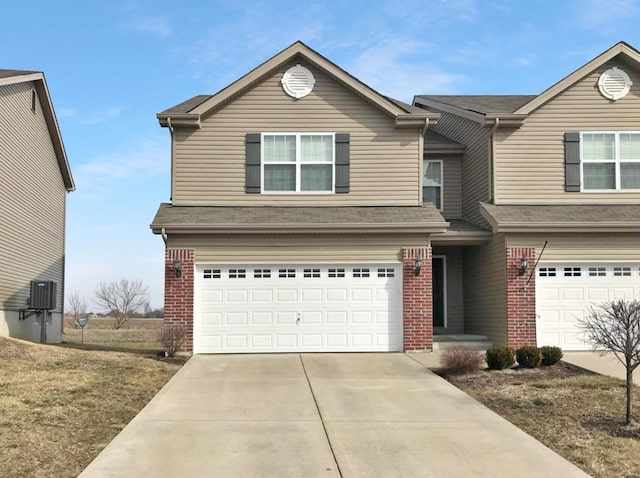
(610, 160)
(432, 182)
(298, 162)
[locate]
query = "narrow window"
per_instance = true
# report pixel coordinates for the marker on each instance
(262, 273)
(432, 183)
(572, 272)
(389, 272)
(336, 273)
(622, 271)
(361, 273)
(597, 271)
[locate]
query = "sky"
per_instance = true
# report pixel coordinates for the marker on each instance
(112, 65)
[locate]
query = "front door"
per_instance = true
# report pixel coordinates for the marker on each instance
(438, 291)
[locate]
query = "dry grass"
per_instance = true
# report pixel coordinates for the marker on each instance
(578, 414)
(140, 335)
(59, 406)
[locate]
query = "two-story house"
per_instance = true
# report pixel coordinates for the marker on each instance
(310, 213)
(34, 180)
(556, 179)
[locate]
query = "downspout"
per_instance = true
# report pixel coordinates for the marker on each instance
(492, 160)
(163, 233)
(420, 166)
(172, 156)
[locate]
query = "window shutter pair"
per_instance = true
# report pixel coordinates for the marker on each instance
(572, 162)
(252, 162)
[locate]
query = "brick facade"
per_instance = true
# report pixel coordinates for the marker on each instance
(178, 292)
(521, 298)
(417, 303)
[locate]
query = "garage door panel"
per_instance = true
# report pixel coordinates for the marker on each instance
(565, 292)
(246, 308)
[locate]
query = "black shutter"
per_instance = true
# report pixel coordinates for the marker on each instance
(252, 163)
(342, 162)
(572, 162)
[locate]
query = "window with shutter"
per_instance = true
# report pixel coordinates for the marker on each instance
(278, 163)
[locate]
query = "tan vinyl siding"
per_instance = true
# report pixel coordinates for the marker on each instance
(530, 160)
(452, 184)
(485, 290)
(455, 291)
(33, 213)
(579, 247)
(209, 163)
(301, 248)
(475, 172)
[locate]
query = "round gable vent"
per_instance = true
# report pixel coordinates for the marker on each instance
(298, 82)
(614, 84)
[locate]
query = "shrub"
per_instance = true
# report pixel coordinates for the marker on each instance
(500, 357)
(550, 355)
(528, 356)
(172, 338)
(458, 361)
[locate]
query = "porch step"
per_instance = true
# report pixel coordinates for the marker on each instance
(475, 342)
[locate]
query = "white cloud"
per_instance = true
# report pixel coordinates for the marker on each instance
(400, 68)
(144, 158)
(65, 113)
(605, 14)
(102, 116)
(155, 26)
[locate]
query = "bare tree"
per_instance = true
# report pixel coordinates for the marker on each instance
(614, 326)
(121, 299)
(76, 304)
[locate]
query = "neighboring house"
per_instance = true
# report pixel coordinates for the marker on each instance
(556, 179)
(34, 183)
(310, 213)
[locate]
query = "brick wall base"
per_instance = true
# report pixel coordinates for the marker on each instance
(521, 298)
(178, 292)
(417, 303)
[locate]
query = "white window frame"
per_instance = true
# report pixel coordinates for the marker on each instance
(424, 168)
(616, 161)
(298, 163)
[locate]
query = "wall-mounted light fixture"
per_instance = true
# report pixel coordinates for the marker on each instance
(523, 266)
(177, 267)
(417, 266)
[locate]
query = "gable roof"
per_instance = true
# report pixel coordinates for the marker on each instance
(620, 48)
(10, 77)
(190, 112)
(513, 109)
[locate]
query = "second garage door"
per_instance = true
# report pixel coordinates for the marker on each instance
(564, 293)
(298, 308)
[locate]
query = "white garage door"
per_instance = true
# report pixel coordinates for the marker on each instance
(298, 308)
(564, 292)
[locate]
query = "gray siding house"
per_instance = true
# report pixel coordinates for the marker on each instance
(309, 212)
(34, 182)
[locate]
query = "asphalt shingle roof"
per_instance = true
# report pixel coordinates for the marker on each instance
(247, 217)
(186, 106)
(11, 73)
(483, 104)
(615, 215)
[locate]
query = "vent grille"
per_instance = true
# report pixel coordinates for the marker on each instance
(614, 84)
(298, 81)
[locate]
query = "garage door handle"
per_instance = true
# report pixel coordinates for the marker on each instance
(298, 318)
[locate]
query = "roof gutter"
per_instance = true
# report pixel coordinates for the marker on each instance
(186, 120)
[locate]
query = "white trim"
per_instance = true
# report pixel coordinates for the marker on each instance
(422, 186)
(616, 161)
(444, 289)
(298, 162)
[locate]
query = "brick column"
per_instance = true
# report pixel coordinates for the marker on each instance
(417, 303)
(178, 292)
(521, 298)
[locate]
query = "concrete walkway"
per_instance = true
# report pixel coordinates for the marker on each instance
(320, 415)
(606, 364)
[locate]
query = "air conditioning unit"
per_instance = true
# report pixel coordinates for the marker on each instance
(43, 295)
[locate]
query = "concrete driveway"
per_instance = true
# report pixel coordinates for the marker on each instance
(602, 363)
(325, 415)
